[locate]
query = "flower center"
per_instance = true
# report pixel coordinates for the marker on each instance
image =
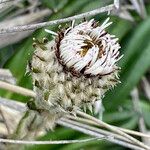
(86, 50)
(90, 44)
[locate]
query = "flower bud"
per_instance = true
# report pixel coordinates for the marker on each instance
(76, 68)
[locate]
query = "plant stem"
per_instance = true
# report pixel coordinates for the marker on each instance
(95, 134)
(54, 22)
(107, 126)
(17, 89)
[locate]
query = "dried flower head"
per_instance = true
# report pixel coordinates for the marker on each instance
(76, 68)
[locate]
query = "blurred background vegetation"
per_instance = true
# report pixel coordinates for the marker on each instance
(131, 24)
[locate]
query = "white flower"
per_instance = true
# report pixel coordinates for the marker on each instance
(89, 50)
(76, 69)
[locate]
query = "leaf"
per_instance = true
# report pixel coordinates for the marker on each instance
(146, 115)
(136, 44)
(121, 27)
(117, 116)
(130, 124)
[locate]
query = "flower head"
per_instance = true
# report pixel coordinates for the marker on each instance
(87, 49)
(76, 68)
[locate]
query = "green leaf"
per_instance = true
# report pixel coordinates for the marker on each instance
(120, 27)
(117, 116)
(131, 123)
(146, 115)
(136, 44)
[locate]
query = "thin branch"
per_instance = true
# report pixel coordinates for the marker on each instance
(143, 9)
(8, 5)
(54, 22)
(5, 121)
(48, 142)
(16, 89)
(6, 75)
(146, 87)
(87, 121)
(97, 130)
(83, 128)
(116, 3)
(136, 105)
(5, 1)
(13, 104)
(139, 7)
(92, 133)
(31, 93)
(29, 8)
(101, 123)
(98, 137)
(106, 133)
